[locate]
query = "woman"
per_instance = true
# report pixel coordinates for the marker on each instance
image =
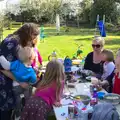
(8, 48)
(93, 60)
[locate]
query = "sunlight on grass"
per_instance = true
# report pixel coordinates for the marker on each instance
(65, 43)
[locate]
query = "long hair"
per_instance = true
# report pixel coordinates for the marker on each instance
(26, 33)
(54, 73)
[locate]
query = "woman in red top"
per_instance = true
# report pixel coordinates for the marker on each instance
(116, 86)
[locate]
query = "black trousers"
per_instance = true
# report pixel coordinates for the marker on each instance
(5, 115)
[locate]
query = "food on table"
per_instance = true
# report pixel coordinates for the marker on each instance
(76, 62)
(78, 98)
(112, 97)
(82, 98)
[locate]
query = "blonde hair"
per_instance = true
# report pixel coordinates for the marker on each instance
(99, 39)
(109, 54)
(25, 54)
(54, 73)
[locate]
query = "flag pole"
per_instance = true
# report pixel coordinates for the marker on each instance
(96, 27)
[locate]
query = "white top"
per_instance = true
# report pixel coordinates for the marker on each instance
(15, 83)
(107, 69)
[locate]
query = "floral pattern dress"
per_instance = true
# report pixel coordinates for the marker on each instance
(8, 49)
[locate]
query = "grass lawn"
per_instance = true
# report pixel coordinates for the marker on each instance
(65, 43)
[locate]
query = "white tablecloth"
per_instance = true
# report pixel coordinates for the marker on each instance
(81, 88)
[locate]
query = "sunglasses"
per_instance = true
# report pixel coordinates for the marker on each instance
(97, 46)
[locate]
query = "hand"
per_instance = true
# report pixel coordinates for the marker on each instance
(24, 85)
(104, 82)
(57, 104)
(36, 69)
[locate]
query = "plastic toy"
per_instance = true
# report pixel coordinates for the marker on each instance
(78, 52)
(42, 35)
(52, 56)
(67, 64)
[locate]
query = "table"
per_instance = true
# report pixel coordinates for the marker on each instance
(81, 88)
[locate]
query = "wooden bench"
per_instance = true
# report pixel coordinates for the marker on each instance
(15, 24)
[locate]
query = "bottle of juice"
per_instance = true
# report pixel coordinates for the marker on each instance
(94, 99)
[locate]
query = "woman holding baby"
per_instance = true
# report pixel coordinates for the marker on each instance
(23, 37)
(101, 63)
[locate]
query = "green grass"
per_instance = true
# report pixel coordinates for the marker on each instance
(65, 43)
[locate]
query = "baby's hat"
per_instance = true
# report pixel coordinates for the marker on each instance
(25, 53)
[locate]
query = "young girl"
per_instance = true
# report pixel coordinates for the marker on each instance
(38, 58)
(48, 93)
(116, 86)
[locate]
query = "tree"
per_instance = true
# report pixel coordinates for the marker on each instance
(39, 9)
(104, 7)
(85, 10)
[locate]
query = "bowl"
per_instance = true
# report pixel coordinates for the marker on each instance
(112, 98)
(85, 99)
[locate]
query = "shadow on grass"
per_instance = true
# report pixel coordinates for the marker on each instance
(85, 39)
(72, 31)
(113, 42)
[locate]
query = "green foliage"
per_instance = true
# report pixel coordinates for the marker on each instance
(86, 7)
(40, 10)
(109, 26)
(104, 7)
(80, 11)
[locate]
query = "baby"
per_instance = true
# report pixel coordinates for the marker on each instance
(22, 71)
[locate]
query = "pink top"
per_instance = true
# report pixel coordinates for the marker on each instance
(49, 93)
(37, 59)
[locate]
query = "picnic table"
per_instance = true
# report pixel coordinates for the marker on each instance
(80, 88)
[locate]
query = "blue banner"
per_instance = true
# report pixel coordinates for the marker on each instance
(101, 27)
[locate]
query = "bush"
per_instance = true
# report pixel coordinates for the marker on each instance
(109, 26)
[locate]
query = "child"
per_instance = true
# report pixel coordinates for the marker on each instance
(21, 69)
(108, 69)
(37, 62)
(108, 66)
(48, 93)
(22, 72)
(38, 58)
(116, 86)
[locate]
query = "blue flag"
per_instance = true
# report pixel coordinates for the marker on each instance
(101, 27)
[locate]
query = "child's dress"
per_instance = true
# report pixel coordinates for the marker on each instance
(116, 86)
(39, 105)
(38, 59)
(35, 64)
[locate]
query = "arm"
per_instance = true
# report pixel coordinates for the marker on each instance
(57, 103)
(108, 70)
(4, 63)
(39, 57)
(8, 74)
(88, 61)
